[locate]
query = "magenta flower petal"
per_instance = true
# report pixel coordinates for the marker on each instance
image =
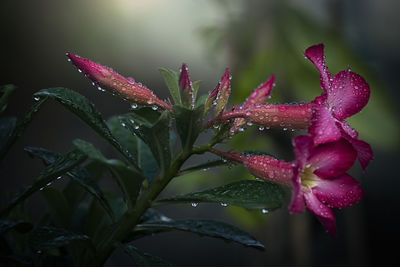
(323, 213)
(363, 149)
(322, 128)
(302, 145)
(348, 94)
(297, 201)
(340, 192)
(315, 54)
(185, 87)
(332, 159)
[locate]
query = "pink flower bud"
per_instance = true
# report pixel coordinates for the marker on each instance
(106, 78)
(185, 87)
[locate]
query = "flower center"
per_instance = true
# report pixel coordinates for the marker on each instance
(308, 178)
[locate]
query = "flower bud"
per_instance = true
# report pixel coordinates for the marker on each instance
(106, 78)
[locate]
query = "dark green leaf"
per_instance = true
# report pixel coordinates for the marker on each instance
(153, 129)
(188, 124)
(171, 80)
(205, 228)
(58, 206)
(135, 145)
(248, 194)
(47, 237)
(203, 166)
(7, 126)
(124, 136)
(21, 125)
(79, 175)
(144, 259)
(5, 93)
(47, 176)
(19, 226)
(86, 111)
(127, 178)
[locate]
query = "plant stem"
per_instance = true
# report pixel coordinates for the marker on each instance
(126, 224)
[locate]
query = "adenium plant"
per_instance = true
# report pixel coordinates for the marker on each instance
(151, 156)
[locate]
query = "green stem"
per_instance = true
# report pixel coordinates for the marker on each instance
(128, 221)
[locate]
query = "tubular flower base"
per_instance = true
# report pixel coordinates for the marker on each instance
(108, 79)
(317, 176)
(279, 116)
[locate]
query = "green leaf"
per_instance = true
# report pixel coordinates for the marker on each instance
(144, 259)
(248, 194)
(135, 146)
(188, 124)
(203, 166)
(47, 237)
(124, 136)
(153, 129)
(19, 226)
(79, 175)
(206, 228)
(5, 93)
(47, 176)
(21, 125)
(171, 80)
(195, 86)
(7, 126)
(58, 206)
(128, 179)
(202, 99)
(86, 111)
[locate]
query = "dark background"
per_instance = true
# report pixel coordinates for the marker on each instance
(255, 39)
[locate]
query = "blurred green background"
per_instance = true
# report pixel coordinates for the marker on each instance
(255, 39)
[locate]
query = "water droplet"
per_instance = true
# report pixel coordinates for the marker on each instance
(224, 204)
(241, 129)
(41, 188)
(154, 107)
(123, 124)
(36, 98)
(264, 211)
(194, 205)
(136, 127)
(132, 121)
(249, 123)
(59, 177)
(134, 106)
(79, 70)
(48, 184)
(261, 128)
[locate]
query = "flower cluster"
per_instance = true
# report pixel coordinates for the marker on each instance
(318, 175)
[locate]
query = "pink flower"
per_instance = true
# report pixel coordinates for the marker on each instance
(344, 95)
(320, 180)
(127, 88)
(317, 175)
